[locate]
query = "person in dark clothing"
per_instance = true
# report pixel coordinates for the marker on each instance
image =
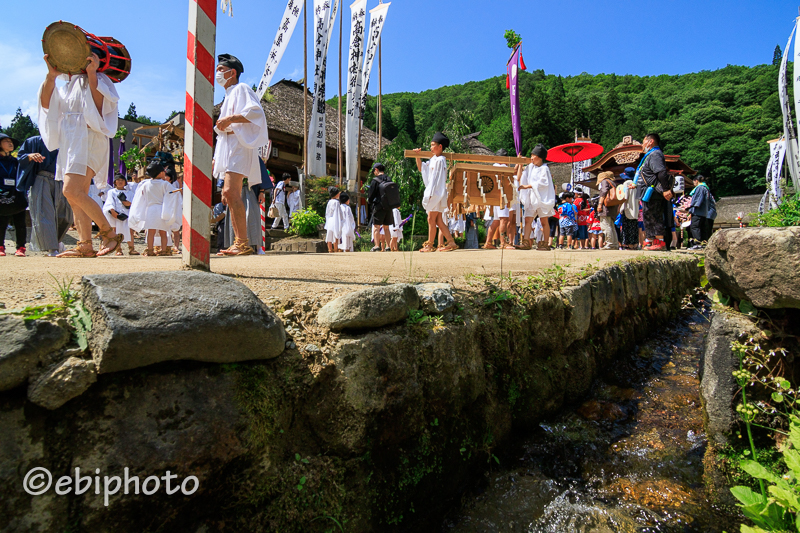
(12, 202)
(653, 173)
(381, 216)
(703, 211)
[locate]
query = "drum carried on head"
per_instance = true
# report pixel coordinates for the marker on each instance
(67, 47)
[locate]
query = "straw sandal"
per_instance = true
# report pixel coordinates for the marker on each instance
(448, 248)
(240, 247)
(167, 251)
(542, 246)
(525, 244)
(80, 250)
(107, 248)
(132, 251)
(149, 252)
(427, 247)
(489, 246)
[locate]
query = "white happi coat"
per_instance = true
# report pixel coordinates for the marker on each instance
(333, 221)
(147, 208)
(395, 231)
(348, 228)
(434, 175)
(238, 151)
(542, 197)
(73, 126)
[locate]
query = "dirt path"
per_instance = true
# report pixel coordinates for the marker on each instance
(28, 281)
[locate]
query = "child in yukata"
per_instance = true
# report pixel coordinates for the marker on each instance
(434, 200)
(117, 209)
(333, 220)
(348, 223)
(147, 208)
(396, 231)
(536, 194)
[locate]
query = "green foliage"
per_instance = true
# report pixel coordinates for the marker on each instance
(122, 132)
(776, 55)
(306, 222)
(22, 127)
(512, 38)
(317, 193)
(132, 115)
(134, 158)
(786, 214)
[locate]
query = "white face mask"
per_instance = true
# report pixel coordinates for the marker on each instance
(221, 78)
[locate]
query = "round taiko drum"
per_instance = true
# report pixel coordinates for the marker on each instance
(68, 45)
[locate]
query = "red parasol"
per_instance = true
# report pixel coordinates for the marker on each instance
(569, 153)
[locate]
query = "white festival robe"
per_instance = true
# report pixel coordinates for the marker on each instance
(348, 228)
(434, 175)
(294, 202)
(333, 221)
(541, 199)
(113, 202)
(395, 231)
(238, 151)
(73, 126)
(147, 208)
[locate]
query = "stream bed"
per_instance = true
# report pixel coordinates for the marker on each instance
(629, 459)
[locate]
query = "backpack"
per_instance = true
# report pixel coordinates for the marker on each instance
(390, 194)
(611, 199)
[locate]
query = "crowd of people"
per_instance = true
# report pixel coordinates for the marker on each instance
(53, 175)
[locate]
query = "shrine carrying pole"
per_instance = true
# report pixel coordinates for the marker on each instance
(199, 139)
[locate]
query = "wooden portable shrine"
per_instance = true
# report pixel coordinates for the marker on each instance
(475, 183)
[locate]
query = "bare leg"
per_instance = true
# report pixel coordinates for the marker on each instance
(545, 228)
(232, 197)
(432, 227)
(444, 229)
(86, 210)
(151, 237)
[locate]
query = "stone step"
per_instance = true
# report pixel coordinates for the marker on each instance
(304, 246)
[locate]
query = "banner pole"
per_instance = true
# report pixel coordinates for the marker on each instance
(339, 144)
(198, 149)
(305, 87)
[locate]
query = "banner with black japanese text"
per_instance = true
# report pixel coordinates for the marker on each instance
(358, 11)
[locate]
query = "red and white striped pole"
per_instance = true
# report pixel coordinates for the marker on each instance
(198, 151)
(263, 227)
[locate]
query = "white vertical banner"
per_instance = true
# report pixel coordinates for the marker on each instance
(777, 151)
(358, 11)
(285, 29)
(324, 18)
(377, 17)
(792, 156)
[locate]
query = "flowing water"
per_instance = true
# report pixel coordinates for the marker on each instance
(629, 459)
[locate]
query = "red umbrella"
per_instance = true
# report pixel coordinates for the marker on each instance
(569, 153)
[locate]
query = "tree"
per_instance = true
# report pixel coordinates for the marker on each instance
(595, 116)
(557, 107)
(512, 38)
(777, 55)
(614, 124)
(22, 127)
(388, 129)
(405, 121)
(131, 114)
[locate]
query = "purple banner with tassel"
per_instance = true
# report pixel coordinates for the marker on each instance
(122, 169)
(110, 179)
(512, 68)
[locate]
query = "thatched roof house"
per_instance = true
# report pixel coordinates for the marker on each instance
(728, 209)
(283, 106)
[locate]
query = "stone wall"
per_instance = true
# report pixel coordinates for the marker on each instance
(378, 430)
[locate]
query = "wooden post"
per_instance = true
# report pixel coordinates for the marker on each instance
(305, 87)
(201, 45)
(358, 173)
(339, 143)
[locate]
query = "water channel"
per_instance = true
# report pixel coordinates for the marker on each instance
(629, 459)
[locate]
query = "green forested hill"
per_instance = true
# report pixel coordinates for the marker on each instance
(718, 121)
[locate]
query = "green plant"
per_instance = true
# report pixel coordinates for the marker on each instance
(512, 38)
(122, 132)
(305, 222)
(417, 316)
(134, 158)
(786, 214)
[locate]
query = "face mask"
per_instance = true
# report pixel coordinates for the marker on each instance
(221, 78)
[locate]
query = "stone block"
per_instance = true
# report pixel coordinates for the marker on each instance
(24, 345)
(143, 318)
(436, 297)
(62, 382)
(370, 308)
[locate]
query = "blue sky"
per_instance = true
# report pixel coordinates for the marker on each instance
(425, 44)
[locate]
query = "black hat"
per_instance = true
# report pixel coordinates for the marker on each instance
(227, 60)
(540, 151)
(344, 197)
(379, 166)
(154, 169)
(441, 138)
(13, 140)
(333, 191)
(501, 152)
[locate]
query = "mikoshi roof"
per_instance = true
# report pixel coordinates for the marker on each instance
(283, 106)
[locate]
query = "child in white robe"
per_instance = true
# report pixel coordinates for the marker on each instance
(147, 208)
(294, 201)
(333, 220)
(348, 223)
(117, 209)
(396, 231)
(434, 200)
(537, 195)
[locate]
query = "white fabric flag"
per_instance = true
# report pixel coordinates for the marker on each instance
(777, 151)
(324, 18)
(792, 156)
(377, 17)
(285, 30)
(358, 11)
